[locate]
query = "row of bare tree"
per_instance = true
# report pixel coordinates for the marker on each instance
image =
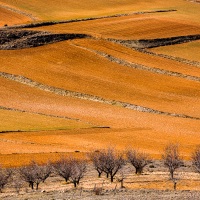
(108, 161)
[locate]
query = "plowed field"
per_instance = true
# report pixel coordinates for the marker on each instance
(20, 121)
(181, 50)
(59, 10)
(10, 18)
(93, 74)
(81, 94)
(129, 27)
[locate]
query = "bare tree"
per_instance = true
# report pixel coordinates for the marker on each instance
(41, 173)
(70, 169)
(112, 162)
(45, 171)
(138, 160)
(5, 175)
(35, 173)
(63, 168)
(17, 184)
(96, 158)
(27, 174)
(172, 158)
(196, 159)
(78, 171)
(120, 178)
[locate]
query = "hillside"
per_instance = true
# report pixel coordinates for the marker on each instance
(85, 74)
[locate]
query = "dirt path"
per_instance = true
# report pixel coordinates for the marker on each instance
(63, 92)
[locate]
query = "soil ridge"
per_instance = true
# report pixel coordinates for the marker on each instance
(79, 95)
(49, 23)
(43, 114)
(33, 18)
(174, 58)
(139, 66)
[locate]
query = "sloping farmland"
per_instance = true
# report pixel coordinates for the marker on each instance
(12, 120)
(95, 75)
(9, 17)
(62, 10)
(127, 127)
(80, 94)
(131, 27)
(189, 51)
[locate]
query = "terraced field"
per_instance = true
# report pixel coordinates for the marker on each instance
(131, 27)
(182, 51)
(74, 85)
(9, 18)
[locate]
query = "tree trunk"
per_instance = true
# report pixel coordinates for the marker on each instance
(66, 179)
(138, 170)
(175, 185)
(107, 175)
(75, 184)
(31, 185)
(37, 184)
(122, 183)
(99, 174)
(172, 174)
(111, 178)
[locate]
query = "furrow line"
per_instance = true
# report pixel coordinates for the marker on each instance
(139, 66)
(43, 114)
(19, 12)
(79, 95)
(143, 45)
(50, 23)
(178, 59)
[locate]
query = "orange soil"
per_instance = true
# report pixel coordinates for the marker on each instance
(84, 140)
(10, 18)
(60, 10)
(148, 132)
(128, 27)
(16, 160)
(34, 100)
(182, 50)
(56, 65)
(92, 74)
(131, 55)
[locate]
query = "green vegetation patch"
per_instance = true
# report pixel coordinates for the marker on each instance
(22, 121)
